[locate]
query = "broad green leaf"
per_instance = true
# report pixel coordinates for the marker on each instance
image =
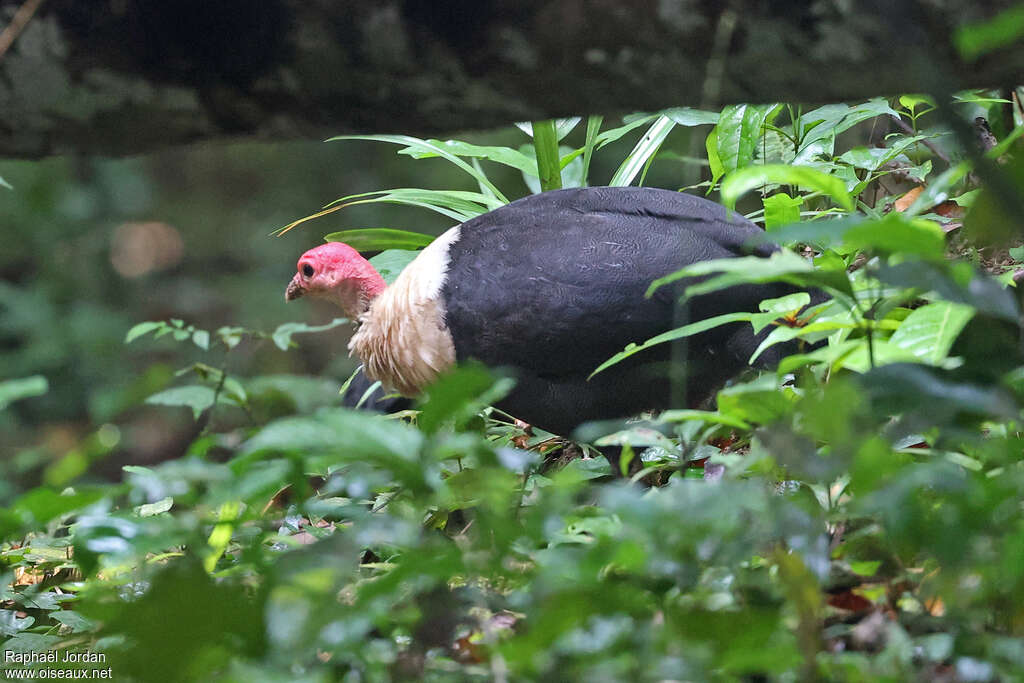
(976, 39)
(201, 338)
(10, 623)
(873, 158)
(742, 180)
(197, 398)
(379, 239)
(702, 416)
(912, 102)
(832, 119)
(895, 235)
(350, 435)
(282, 336)
(12, 390)
(142, 329)
(780, 209)
(391, 262)
(714, 162)
(159, 507)
(426, 146)
(545, 146)
(458, 395)
(956, 281)
(644, 149)
(41, 505)
(929, 331)
(758, 402)
(737, 134)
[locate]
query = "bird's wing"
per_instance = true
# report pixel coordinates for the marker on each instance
(555, 284)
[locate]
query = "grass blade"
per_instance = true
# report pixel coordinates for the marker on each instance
(427, 146)
(645, 148)
(593, 128)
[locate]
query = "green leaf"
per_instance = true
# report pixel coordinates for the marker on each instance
(562, 126)
(977, 39)
(143, 329)
(350, 435)
(426, 146)
(783, 265)
(159, 507)
(644, 149)
(73, 620)
(460, 205)
(501, 155)
(379, 239)
(458, 395)
(893, 234)
(593, 129)
(193, 396)
(684, 116)
(714, 162)
(201, 338)
(737, 134)
(41, 505)
(742, 180)
(929, 332)
(912, 102)
(545, 144)
(825, 123)
(391, 262)
(757, 402)
(12, 390)
(957, 282)
(780, 209)
(11, 624)
(671, 335)
(874, 158)
(282, 336)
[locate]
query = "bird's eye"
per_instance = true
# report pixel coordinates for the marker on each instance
(307, 270)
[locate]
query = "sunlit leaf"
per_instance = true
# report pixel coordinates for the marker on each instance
(745, 179)
(282, 336)
(379, 239)
(644, 149)
(929, 331)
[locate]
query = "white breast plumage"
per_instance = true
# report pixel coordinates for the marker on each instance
(403, 340)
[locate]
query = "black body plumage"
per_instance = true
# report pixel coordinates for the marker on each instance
(552, 285)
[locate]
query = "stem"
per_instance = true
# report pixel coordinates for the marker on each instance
(18, 23)
(545, 144)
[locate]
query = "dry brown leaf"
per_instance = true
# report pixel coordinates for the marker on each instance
(904, 202)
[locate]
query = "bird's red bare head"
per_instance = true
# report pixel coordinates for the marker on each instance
(337, 272)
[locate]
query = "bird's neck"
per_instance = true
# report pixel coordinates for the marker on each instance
(356, 292)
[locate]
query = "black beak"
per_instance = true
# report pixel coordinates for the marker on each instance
(295, 289)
